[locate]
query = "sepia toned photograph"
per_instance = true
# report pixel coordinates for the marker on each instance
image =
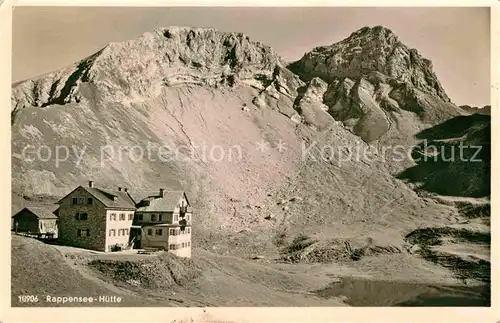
(251, 157)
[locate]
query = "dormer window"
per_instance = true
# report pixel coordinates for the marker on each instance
(143, 203)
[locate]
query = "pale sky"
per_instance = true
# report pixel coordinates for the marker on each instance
(456, 40)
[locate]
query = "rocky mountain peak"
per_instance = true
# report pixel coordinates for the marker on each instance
(141, 67)
(379, 33)
(369, 51)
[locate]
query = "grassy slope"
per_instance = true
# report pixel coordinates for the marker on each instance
(39, 269)
(230, 281)
(226, 281)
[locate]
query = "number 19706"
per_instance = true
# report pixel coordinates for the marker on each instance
(28, 298)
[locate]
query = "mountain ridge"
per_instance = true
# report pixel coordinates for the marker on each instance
(181, 87)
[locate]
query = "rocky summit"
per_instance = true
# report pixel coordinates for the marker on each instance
(373, 53)
(377, 86)
(139, 68)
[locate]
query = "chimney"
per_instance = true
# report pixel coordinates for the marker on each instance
(119, 189)
(91, 183)
(161, 192)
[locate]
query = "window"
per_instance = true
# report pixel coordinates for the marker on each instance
(160, 217)
(188, 230)
(153, 217)
(122, 216)
(75, 201)
(188, 217)
(81, 200)
(81, 216)
(89, 200)
(83, 232)
(139, 216)
(112, 232)
(126, 232)
(159, 232)
(172, 247)
(182, 245)
(189, 243)
(130, 216)
(112, 217)
(150, 232)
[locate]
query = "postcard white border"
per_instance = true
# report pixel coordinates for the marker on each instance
(237, 314)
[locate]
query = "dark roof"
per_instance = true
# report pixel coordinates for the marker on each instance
(107, 197)
(167, 203)
(123, 199)
(45, 212)
(141, 195)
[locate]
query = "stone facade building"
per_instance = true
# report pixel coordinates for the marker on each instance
(109, 220)
(94, 218)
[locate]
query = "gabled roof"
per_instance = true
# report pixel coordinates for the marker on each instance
(141, 195)
(45, 212)
(123, 199)
(168, 203)
(110, 198)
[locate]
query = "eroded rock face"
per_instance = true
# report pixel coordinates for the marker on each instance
(484, 110)
(310, 104)
(141, 67)
(368, 50)
(378, 87)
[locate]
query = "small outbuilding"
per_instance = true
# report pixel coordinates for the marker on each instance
(37, 220)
